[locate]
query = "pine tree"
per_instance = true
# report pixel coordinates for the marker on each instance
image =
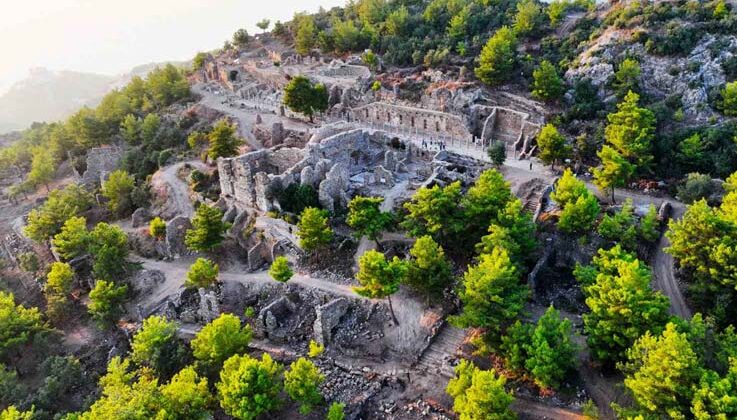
(379, 278)
(434, 211)
(631, 130)
(302, 382)
(73, 239)
(202, 273)
(106, 300)
(552, 145)
(223, 140)
(43, 167)
(551, 353)
(156, 345)
(650, 225)
(615, 170)
(568, 189)
(207, 229)
(579, 217)
(220, 339)
(302, 96)
(661, 371)
(622, 303)
(314, 230)
(429, 271)
(249, 387)
(117, 189)
(365, 216)
(496, 62)
(491, 293)
(479, 394)
(547, 85)
(57, 290)
(280, 270)
(621, 227)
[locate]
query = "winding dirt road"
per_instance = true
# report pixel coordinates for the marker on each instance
(176, 190)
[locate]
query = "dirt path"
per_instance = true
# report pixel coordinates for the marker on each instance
(178, 202)
(246, 117)
(664, 274)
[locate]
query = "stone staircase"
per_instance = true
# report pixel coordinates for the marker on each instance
(440, 356)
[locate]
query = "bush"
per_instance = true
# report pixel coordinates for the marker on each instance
(280, 270)
(696, 187)
(157, 228)
(203, 273)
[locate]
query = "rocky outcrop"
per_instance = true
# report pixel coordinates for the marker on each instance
(328, 317)
(175, 233)
(140, 217)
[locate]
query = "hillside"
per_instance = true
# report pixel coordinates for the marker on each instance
(396, 209)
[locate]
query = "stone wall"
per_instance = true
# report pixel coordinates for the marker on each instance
(508, 125)
(346, 70)
(100, 162)
(433, 123)
(326, 164)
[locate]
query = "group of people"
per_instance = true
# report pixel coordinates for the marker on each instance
(435, 143)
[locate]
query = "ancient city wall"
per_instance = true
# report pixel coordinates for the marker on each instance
(414, 119)
(508, 125)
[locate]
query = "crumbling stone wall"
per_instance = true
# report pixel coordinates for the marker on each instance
(326, 164)
(415, 119)
(346, 70)
(100, 162)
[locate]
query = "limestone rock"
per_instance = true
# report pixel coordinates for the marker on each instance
(140, 217)
(328, 316)
(146, 281)
(175, 232)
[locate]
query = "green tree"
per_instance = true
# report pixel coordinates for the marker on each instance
(547, 85)
(696, 187)
(429, 271)
(186, 396)
(43, 167)
(47, 220)
(397, 20)
(117, 189)
(18, 325)
(240, 38)
(552, 146)
(305, 34)
(528, 17)
(626, 77)
(156, 345)
(302, 382)
(483, 201)
(551, 353)
(729, 99)
(514, 345)
(580, 216)
(496, 62)
(313, 229)
(122, 397)
(10, 389)
(435, 212)
(301, 95)
(631, 130)
(568, 189)
(157, 228)
(150, 127)
(207, 229)
(650, 225)
(280, 270)
(614, 172)
(497, 152)
(620, 227)
(336, 411)
(715, 397)
(660, 373)
(479, 394)
(203, 273)
(130, 129)
(12, 413)
(365, 216)
(691, 151)
(58, 287)
(166, 85)
(223, 140)
(263, 24)
(198, 62)
(73, 239)
(248, 387)
(220, 339)
(109, 248)
(491, 293)
(622, 304)
(703, 242)
(380, 278)
(106, 300)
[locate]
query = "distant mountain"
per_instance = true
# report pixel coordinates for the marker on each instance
(47, 95)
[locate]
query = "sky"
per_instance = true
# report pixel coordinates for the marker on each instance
(113, 36)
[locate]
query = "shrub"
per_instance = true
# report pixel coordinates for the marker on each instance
(157, 228)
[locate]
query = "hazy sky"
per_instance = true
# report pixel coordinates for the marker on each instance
(112, 36)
